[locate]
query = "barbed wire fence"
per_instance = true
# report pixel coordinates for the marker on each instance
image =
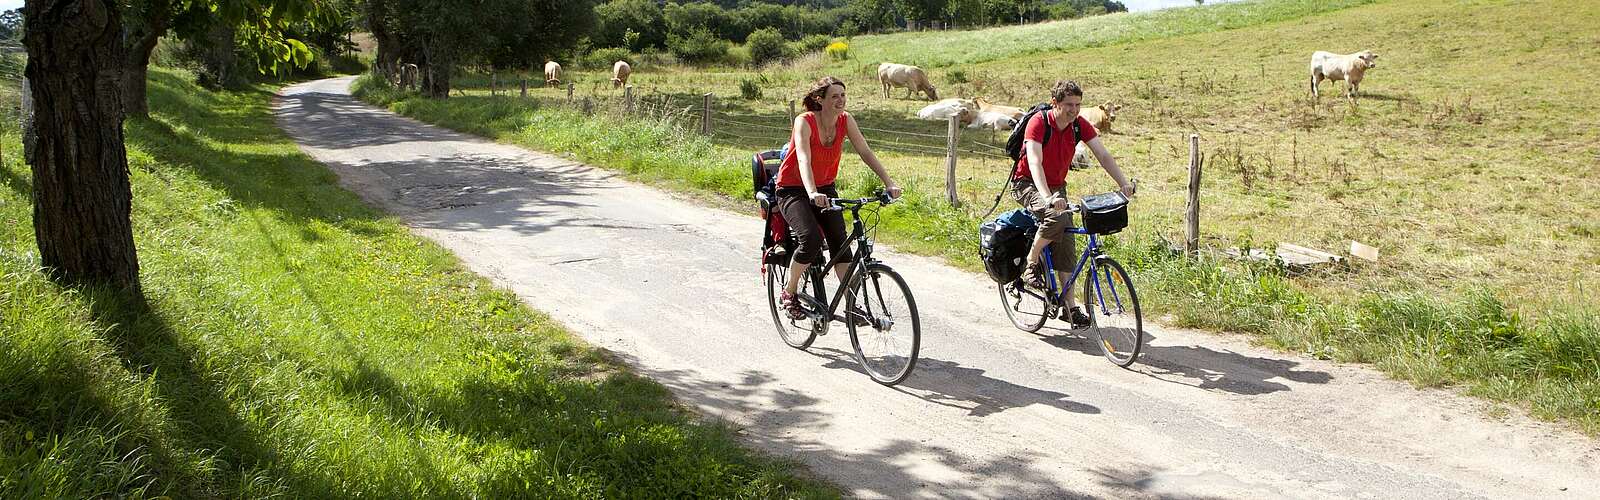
(963, 150)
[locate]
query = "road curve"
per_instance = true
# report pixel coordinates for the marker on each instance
(991, 412)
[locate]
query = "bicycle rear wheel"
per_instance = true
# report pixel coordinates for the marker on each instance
(887, 344)
(1026, 307)
(1115, 319)
(798, 333)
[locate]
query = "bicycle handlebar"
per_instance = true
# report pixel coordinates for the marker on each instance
(839, 204)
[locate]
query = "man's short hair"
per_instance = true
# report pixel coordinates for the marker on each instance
(1064, 88)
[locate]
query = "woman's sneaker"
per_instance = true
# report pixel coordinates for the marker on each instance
(791, 305)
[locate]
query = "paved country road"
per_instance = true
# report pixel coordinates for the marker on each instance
(991, 412)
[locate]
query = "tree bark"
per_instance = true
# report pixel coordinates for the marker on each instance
(435, 73)
(81, 195)
(135, 102)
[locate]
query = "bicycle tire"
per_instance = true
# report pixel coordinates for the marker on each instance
(886, 329)
(1019, 306)
(1107, 295)
(799, 334)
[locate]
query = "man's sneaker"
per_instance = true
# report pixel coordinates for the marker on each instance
(1076, 317)
(1032, 277)
(791, 305)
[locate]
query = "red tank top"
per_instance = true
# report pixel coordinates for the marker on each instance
(824, 157)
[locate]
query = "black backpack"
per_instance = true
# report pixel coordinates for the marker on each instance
(1014, 143)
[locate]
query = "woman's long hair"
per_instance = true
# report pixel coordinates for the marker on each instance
(819, 90)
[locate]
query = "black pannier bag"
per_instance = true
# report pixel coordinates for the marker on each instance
(1105, 213)
(1003, 244)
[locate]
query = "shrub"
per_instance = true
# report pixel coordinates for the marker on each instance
(630, 39)
(766, 44)
(813, 43)
(749, 89)
(956, 76)
(604, 58)
(838, 51)
(700, 47)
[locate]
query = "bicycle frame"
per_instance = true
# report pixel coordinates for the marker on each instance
(863, 256)
(1083, 260)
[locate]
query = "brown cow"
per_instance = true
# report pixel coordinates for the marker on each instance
(1101, 116)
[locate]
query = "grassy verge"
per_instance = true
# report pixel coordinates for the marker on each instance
(1488, 297)
(297, 343)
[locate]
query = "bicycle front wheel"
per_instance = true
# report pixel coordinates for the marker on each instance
(798, 333)
(890, 333)
(1115, 319)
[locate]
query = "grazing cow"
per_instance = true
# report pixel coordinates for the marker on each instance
(552, 74)
(910, 77)
(409, 75)
(619, 73)
(943, 110)
(1014, 113)
(1101, 116)
(1348, 67)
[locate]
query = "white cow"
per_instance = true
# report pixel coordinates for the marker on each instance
(910, 77)
(552, 73)
(1348, 67)
(943, 110)
(619, 73)
(993, 120)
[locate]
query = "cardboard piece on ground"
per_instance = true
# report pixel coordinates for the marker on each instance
(1357, 249)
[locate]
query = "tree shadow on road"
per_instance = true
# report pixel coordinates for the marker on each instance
(1200, 367)
(947, 383)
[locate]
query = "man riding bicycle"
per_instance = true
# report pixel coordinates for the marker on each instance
(1039, 181)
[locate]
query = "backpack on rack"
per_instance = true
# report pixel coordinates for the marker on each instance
(776, 245)
(1003, 244)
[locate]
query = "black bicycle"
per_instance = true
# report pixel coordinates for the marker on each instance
(880, 313)
(1115, 320)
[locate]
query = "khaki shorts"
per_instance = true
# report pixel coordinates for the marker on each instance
(1053, 224)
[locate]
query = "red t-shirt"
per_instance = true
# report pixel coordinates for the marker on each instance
(1057, 153)
(824, 157)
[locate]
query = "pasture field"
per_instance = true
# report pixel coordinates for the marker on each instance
(297, 343)
(1471, 162)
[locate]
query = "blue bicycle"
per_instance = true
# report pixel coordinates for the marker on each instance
(1115, 320)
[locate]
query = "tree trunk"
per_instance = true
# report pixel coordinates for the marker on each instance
(435, 73)
(135, 102)
(81, 195)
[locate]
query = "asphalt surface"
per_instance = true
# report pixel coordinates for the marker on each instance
(990, 412)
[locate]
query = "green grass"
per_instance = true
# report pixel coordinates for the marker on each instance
(939, 49)
(297, 343)
(1468, 164)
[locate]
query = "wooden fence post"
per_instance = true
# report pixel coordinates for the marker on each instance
(791, 109)
(524, 87)
(569, 92)
(627, 97)
(705, 114)
(951, 138)
(1191, 242)
(494, 83)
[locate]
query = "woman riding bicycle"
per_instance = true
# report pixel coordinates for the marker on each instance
(1040, 178)
(805, 182)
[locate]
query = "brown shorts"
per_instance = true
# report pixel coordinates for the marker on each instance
(1053, 223)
